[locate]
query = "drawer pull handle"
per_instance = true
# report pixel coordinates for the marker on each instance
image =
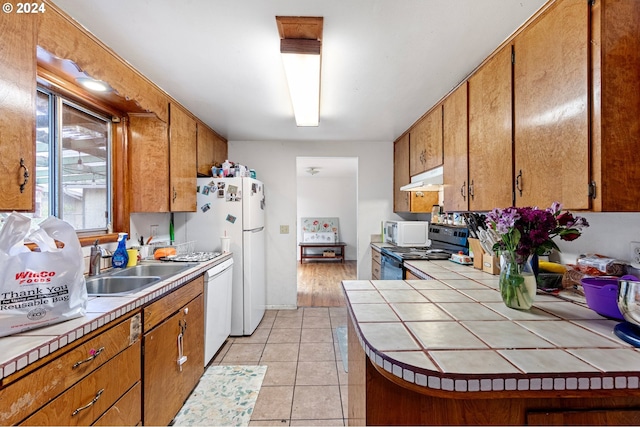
(25, 175)
(94, 354)
(90, 404)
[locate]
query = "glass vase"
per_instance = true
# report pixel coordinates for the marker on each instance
(517, 282)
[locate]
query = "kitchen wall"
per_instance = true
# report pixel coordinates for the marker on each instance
(331, 197)
(608, 234)
(275, 164)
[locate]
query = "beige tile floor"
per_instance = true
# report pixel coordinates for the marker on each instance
(305, 383)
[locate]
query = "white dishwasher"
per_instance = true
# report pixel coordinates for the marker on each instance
(217, 307)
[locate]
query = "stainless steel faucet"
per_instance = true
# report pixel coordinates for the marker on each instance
(97, 253)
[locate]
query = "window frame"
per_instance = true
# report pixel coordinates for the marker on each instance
(118, 168)
(56, 105)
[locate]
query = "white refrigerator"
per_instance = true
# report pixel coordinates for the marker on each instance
(234, 208)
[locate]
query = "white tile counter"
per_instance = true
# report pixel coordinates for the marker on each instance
(20, 350)
(453, 333)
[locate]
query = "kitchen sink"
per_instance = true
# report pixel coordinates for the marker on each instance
(118, 285)
(162, 270)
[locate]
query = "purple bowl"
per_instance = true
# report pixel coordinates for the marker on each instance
(601, 294)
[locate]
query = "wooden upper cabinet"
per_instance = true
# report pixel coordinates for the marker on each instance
(401, 174)
(455, 150)
(490, 134)
(182, 160)
(551, 108)
(426, 142)
(18, 106)
(148, 163)
(615, 29)
(212, 149)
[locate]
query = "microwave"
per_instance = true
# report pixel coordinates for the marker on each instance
(407, 233)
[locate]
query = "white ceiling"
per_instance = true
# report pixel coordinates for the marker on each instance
(384, 62)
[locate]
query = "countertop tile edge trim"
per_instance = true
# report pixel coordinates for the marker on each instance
(495, 382)
(23, 360)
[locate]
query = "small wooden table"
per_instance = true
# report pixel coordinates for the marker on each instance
(339, 255)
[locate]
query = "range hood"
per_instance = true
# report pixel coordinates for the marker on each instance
(431, 180)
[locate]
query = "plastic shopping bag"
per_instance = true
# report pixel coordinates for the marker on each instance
(39, 288)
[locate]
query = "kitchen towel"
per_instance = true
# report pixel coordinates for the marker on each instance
(225, 396)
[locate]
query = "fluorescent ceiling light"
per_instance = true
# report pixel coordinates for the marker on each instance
(303, 78)
(300, 46)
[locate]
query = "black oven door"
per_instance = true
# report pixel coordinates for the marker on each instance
(391, 268)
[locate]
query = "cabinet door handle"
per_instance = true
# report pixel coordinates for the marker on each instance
(25, 175)
(90, 404)
(462, 193)
(471, 190)
(518, 179)
(175, 194)
(93, 353)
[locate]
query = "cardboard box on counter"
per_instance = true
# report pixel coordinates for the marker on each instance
(490, 264)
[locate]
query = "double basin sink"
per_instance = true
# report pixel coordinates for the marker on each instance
(119, 282)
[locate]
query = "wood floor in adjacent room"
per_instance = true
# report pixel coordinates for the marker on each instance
(319, 282)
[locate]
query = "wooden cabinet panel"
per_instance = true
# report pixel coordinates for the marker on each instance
(376, 260)
(158, 311)
(162, 373)
(63, 372)
(606, 417)
(212, 149)
(455, 150)
(425, 142)
(615, 44)
(551, 108)
(149, 163)
(102, 387)
(182, 160)
(18, 106)
(127, 411)
(401, 174)
(490, 134)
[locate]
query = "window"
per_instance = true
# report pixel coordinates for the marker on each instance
(73, 157)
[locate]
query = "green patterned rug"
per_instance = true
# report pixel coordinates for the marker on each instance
(225, 396)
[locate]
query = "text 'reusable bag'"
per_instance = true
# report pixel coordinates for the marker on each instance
(39, 288)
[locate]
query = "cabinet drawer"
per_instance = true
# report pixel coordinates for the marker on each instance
(375, 270)
(26, 395)
(376, 256)
(95, 393)
(165, 307)
(125, 412)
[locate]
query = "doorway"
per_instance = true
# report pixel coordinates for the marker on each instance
(327, 187)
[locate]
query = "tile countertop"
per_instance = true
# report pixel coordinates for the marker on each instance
(454, 333)
(20, 350)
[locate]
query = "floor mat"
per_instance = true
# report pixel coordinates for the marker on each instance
(341, 332)
(225, 396)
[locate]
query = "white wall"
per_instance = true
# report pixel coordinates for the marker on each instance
(608, 234)
(275, 165)
(331, 197)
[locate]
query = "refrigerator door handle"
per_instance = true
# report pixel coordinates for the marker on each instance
(256, 230)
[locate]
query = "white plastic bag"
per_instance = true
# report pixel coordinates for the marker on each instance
(39, 288)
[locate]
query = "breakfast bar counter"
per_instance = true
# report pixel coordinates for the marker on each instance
(448, 351)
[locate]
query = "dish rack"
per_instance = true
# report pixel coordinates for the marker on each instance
(185, 248)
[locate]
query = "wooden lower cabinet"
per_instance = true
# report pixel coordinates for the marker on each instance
(376, 261)
(377, 397)
(125, 412)
(86, 401)
(73, 378)
(167, 382)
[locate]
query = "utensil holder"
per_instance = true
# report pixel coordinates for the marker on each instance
(478, 252)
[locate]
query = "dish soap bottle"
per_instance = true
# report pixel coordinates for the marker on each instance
(120, 257)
